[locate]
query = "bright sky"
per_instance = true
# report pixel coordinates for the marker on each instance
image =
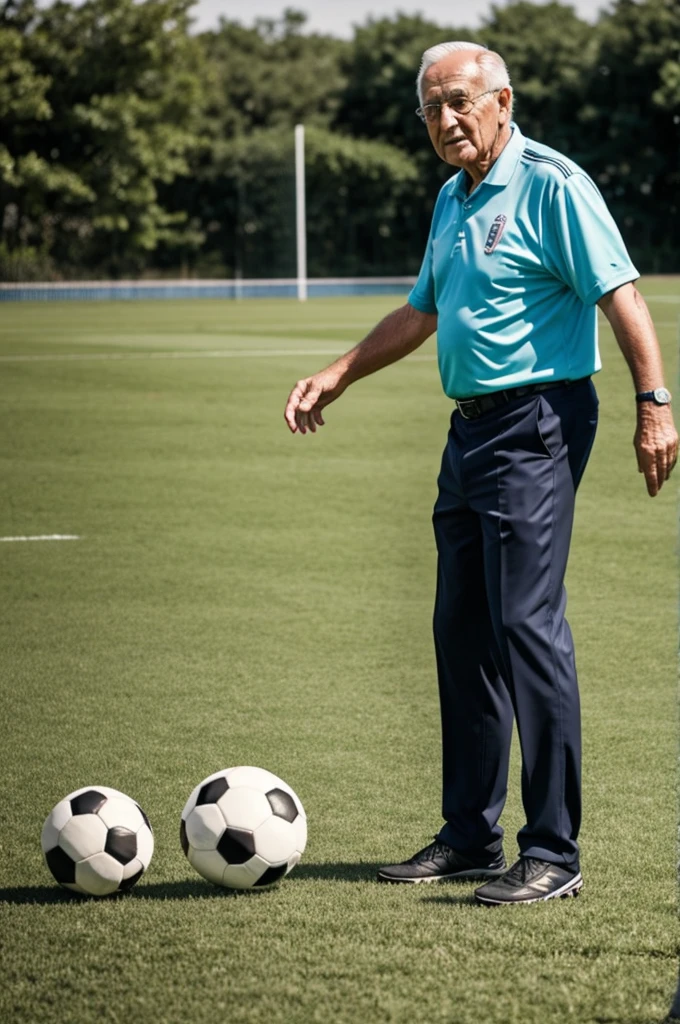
(336, 17)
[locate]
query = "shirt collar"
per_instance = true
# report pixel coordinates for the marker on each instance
(502, 170)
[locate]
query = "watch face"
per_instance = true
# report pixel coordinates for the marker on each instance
(662, 396)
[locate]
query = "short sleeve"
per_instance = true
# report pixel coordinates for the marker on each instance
(583, 245)
(422, 294)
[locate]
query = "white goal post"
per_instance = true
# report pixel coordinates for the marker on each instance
(300, 213)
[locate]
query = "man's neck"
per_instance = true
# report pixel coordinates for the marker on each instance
(475, 175)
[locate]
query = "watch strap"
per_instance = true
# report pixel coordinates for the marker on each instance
(660, 396)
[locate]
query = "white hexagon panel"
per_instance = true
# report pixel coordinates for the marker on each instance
(244, 807)
(205, 826)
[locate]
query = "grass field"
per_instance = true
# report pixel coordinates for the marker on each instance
(242, 596)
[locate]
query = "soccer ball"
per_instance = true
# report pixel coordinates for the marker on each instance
(243, 827)
(97, 841)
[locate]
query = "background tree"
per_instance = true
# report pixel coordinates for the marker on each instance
(240, 192)
(379, 102)
(256, 83)
(551, 55)
(30, 184)
(631, 126)
(131, 146)
(118, 96)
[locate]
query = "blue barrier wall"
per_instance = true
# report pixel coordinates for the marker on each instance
(273, 289)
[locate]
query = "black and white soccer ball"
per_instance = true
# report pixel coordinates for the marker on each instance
(97, 841)
(243, 827)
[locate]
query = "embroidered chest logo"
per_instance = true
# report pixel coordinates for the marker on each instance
(495, 233)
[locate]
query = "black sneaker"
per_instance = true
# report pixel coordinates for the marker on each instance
(530, 881)
(438, 862)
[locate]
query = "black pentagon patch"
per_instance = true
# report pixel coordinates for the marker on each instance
(212, 791)
(183, 837)
(272, 875)
(146, 820)
(236, 845)
(127, 883)
(282, 804)
(88, 803)
(61, 865)
(121, 844)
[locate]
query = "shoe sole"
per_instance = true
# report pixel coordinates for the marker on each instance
(570, 888)
(471, 873)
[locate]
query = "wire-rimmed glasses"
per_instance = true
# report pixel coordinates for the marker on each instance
(430, 113)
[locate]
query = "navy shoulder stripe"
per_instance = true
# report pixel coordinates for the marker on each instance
(540, 158)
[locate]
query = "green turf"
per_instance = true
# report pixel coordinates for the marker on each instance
(242, 596)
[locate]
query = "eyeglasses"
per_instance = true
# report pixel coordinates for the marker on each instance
(430, 113)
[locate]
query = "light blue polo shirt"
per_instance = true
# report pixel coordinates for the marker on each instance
(514, 272)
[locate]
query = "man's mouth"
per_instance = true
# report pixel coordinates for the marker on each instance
(454, 142)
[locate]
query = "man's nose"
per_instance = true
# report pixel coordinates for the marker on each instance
(447, 118)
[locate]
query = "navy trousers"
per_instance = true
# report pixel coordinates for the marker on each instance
(502, 522)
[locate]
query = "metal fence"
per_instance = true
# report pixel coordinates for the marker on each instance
(278, 288)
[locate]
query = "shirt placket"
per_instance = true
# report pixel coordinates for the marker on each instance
(465, 211)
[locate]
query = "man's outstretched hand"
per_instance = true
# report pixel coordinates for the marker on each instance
(309, 397)
(397, 335)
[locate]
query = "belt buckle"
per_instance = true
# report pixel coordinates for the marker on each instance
(473, 411)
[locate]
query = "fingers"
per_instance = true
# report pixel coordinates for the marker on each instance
(647, 464)
(301, 411)
(306, 422)
(294, 399)
(310, 399)
(665, 461)
(665, 464)
(300, 401)
(656, 463)
(305, 412)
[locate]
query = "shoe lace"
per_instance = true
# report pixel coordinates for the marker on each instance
(522, 871)
(430, 852)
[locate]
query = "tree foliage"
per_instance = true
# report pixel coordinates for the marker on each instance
(632, 126)
(116, 97)
(129, 145)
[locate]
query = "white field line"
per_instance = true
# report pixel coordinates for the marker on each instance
(125, 356)
(48, 536)
(229, 328)
(78, 357)
(197, 354)
(246, 353)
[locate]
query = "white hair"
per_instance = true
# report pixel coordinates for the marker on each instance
(490, 63)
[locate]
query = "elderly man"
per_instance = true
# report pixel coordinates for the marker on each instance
(521, 252)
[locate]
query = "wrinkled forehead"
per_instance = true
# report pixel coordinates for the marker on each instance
(457, 72)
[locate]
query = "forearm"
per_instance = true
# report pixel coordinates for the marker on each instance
(397, 335)
(634, 331)
(394, 337)
(656, 439)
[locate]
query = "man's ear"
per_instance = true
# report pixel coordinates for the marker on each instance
(505, 103)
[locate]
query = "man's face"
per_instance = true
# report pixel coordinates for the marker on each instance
(464, 140)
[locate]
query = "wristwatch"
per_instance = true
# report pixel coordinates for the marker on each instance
(660, 396)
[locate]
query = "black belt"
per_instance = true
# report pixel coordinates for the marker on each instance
(473, 408)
